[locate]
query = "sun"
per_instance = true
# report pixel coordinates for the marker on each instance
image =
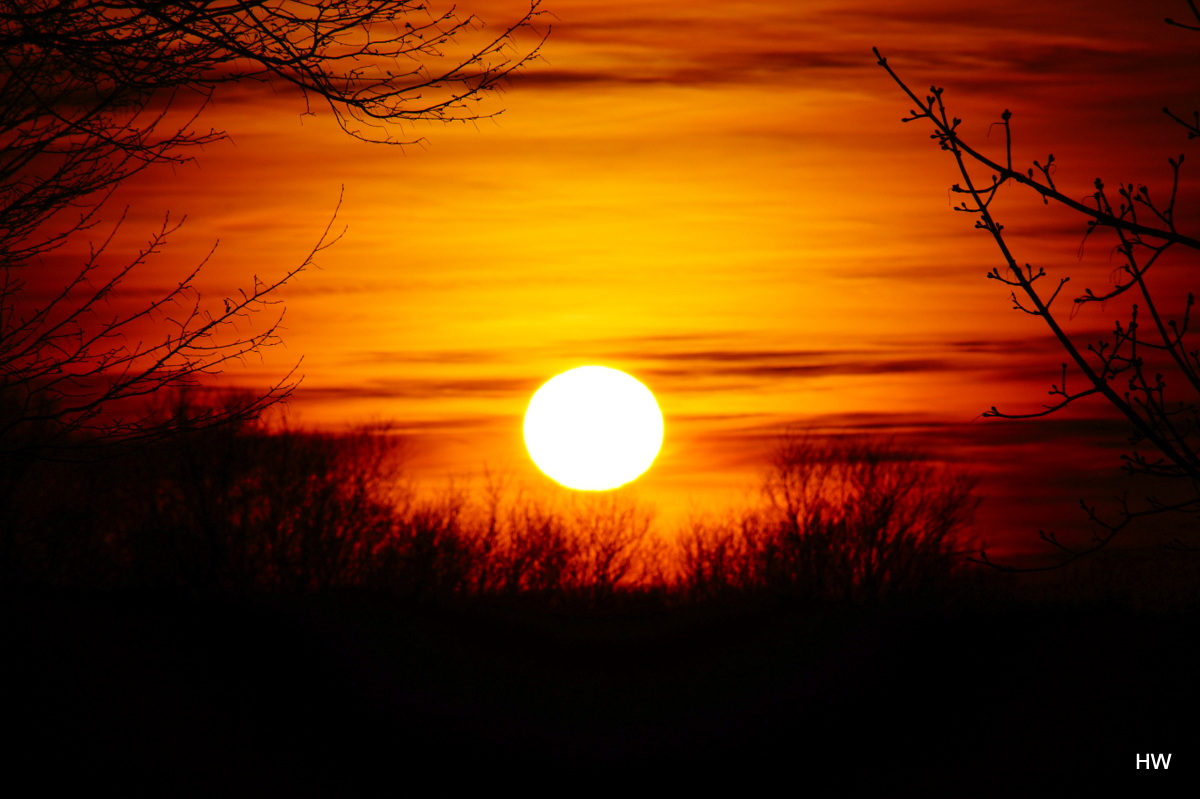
(593, 428)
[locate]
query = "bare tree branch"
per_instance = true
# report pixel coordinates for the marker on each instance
(1148, 369)
(93, 92)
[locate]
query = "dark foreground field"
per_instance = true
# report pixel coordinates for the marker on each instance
(331, 694)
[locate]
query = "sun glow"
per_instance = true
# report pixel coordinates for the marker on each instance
(593, 428)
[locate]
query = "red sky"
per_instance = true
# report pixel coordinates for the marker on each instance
(721, 200)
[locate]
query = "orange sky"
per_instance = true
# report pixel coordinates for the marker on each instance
(719, 199)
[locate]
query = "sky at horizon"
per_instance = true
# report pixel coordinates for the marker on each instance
(722, 201)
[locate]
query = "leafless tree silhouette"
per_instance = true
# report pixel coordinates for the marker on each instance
(92, 92)
(1148, 368)
(842, 518)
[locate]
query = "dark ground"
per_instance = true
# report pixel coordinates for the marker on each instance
(340, 694)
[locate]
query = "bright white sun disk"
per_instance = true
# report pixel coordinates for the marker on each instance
(593, 428)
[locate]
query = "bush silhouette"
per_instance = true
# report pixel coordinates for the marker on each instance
(841, 518)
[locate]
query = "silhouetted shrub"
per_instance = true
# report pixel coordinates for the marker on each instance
(426, 552)
(587, 546)
(842, 518)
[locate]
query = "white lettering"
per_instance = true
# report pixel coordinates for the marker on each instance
(1154, 761)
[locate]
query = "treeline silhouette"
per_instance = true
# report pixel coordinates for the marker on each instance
(248, 507)
(254, 604)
